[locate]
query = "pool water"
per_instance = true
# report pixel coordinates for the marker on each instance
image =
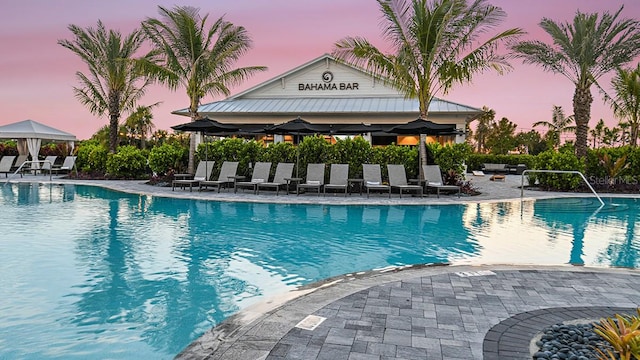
(92, 273)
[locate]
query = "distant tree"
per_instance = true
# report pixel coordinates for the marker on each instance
(195, 56)
(583, 51)
(139, 123)
(531, 142)
(485, 123)
(626, 101)
(502, 138)
(611, 136)
(435, 45)
(113, 85)
(558, 125)
(597, 133)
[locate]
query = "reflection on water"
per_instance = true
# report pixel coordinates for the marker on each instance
(90, 273)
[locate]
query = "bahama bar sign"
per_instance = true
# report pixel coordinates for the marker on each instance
(327, 84)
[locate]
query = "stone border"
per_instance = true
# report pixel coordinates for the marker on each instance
(511, 338)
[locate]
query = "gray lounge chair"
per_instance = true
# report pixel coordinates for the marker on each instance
(315, 178)
(398, 180)
(372, 176)
(260, 174)
(203, 172)
(433, 176)
(283, 172)
(48, 163)
(338, 178)
(20, 162)
(225, 178)
(6, 164)
(68, 165)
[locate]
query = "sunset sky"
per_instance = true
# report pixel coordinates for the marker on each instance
(37, 75)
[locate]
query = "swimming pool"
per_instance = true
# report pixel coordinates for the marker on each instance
(92, 273)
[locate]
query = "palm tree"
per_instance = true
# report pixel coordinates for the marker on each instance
(626, 102)
(197, 57)
(558, 125)
(435, 45)
(486, 122)
(113, 85)
(139, 123)
(583, 51)
(598, 133)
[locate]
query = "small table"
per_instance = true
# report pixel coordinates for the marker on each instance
(235, 179)
(290, 181)
(360, 182)
(182, 176)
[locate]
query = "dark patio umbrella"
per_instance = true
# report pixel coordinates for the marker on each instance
(357, 129)
(206, 126)
(298, 127)
(421, 126)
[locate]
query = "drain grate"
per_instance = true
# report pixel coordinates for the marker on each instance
(310, 322)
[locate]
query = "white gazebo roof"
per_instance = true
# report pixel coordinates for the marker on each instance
(29, 129)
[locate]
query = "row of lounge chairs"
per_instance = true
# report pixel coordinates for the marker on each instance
(315, 179)
(9, 164)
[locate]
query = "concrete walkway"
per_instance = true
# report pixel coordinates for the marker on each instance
(419, 312)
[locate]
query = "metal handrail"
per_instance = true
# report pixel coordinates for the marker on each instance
(559, 172)
(33, 162)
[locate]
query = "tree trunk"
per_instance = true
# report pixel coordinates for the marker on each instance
(582, 100)
(114, 116)
(422, 155)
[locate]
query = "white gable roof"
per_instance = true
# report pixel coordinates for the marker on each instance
(29, 129)
(326, 86)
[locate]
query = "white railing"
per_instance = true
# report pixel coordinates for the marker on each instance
(33, 162)
(575, 172)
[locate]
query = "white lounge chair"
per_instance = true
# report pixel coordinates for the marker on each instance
(398, 180)
(225, 178)
(283, 172)
(68, 165)
(203, 172)
(260, 174)
(338, 178)
(6, 164)
(48, 163)
(433, 176)
(315, 178)
(372, 176)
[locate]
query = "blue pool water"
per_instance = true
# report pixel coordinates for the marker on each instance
(88, 273)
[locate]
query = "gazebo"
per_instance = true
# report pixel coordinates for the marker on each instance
(30, 134)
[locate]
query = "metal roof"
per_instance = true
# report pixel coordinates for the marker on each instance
(342, 105)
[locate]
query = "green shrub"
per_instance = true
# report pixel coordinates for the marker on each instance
(355, 152)
(167, 157)
(395, 154)
(552, 160)
(92, 157)
(129, 162)
(452, 157)
(312, 150)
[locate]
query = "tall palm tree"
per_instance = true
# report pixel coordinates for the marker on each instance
(199, 58)
(558, 125)
(113, 84)
(598, 133)
(626, 101)
(435, 45)
(486, 122)
(583, 51)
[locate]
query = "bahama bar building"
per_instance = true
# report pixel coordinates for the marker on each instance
(340, 96)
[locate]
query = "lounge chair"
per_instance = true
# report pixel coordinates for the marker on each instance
(48, 163)
(398, 180)
(433, 176)
(260, 174)
(203, 172)
(372, 176)
(315, 178)
(225, 178)
(338, 178)
(19, 162)
(283, 172)
(68, 165)
(6, 164)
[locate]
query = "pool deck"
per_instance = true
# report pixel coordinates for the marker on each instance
(484, 311)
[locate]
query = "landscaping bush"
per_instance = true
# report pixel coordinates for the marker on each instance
(129, 163)
(395, 154)
(552, 160)
(8, 148)
(92, 157)
(168, 158)
(355, 152)
(312, 150)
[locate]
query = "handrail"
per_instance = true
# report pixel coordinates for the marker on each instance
(34, 162)
(559, 172)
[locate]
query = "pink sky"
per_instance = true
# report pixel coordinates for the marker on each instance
(37, 75)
